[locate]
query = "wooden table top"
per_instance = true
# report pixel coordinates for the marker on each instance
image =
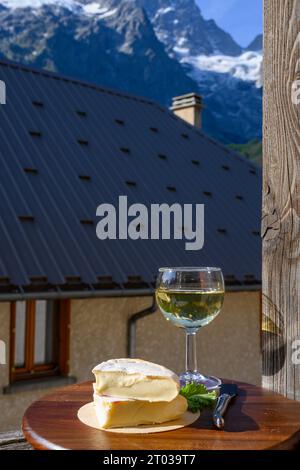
(257, 419)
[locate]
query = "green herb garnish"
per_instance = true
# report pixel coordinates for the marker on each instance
(198, 397)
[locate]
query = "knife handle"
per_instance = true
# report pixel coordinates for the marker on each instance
(220, 409)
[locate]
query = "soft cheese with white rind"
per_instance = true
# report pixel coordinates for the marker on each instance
(136, 379)
(115, 412)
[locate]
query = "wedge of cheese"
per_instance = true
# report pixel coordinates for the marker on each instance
(136, 379)
(115, 412)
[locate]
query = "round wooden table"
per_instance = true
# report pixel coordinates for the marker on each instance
(257, 419)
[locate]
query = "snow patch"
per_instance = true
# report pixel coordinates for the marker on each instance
(246, 67)
(164, 11)
(182, 51)
(38, 3)
(181, 41)
(96, 9)
(93, 8)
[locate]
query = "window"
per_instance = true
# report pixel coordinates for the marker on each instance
(39, 339)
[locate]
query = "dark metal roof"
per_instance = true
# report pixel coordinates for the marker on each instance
(68, 146)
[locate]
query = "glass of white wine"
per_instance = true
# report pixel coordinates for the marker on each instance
(191, 298)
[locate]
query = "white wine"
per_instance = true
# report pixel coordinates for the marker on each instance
(190, 308)
(191, 297)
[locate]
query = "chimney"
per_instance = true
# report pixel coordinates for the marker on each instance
(188, 107)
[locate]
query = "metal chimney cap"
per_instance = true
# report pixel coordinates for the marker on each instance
(187, 100)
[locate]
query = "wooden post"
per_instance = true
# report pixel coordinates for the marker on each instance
(281, 198)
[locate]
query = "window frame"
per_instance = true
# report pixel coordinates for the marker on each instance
(30, 371)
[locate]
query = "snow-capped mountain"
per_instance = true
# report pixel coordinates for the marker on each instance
(110, 42)
(179, 23)
(34, 4)
(155, 48)
(200, 43)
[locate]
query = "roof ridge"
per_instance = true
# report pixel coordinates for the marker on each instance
(213, 141)
(76, 81)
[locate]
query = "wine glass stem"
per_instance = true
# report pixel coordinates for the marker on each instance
(191, 351)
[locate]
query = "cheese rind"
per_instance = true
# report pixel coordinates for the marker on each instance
(136, 379)
(115, 412)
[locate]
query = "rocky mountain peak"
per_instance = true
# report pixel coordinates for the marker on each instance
(179, 24)
(256, 44)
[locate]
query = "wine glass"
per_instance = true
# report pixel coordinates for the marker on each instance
(191, 298)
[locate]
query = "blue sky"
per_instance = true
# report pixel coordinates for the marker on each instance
(241, 18)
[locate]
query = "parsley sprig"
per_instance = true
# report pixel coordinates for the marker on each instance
(198, 397)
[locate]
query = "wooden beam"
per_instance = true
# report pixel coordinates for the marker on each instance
(13, 440)
(281, 197)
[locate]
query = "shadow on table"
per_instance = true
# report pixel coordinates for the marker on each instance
(235, 419)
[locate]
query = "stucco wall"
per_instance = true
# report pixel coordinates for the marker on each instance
(190, 115)
(101, 334)
(228, 347)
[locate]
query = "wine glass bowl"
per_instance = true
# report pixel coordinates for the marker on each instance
(191, 298)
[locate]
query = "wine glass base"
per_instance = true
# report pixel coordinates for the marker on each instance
(210, 382)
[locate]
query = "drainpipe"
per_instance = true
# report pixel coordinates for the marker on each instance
(131, 326)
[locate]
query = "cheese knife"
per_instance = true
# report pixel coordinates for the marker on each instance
(227, 393)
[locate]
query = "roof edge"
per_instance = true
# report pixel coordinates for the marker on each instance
(19, 296)
(213, 141)
(76, 81)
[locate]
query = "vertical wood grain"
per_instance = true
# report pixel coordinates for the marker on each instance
(281, 196)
